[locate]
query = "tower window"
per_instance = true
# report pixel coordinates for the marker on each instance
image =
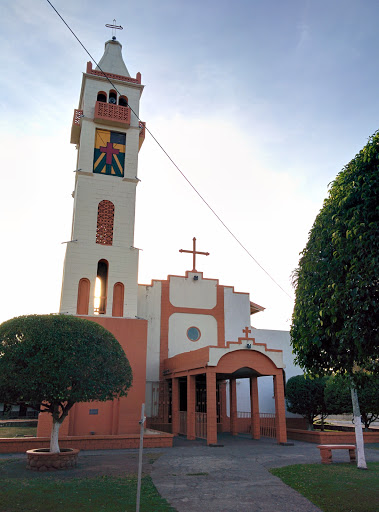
(102, 96)
(113, 97)
(101, 285)
(105, 221)
(123, 101)
(118, 300)
(83, 297)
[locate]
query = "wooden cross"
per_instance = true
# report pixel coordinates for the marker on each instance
(194, 252)
(114, 27)
(247, 331)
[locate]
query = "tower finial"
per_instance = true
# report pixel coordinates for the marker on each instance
(114, 27)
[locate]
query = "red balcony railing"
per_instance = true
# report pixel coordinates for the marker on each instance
(142, 129)
(76, 126)
(107, 113)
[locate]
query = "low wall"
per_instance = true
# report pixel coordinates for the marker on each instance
(120, 442)
(315, 436)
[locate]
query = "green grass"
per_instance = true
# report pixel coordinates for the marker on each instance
(17, 431)
(335, 487)
(101, 494)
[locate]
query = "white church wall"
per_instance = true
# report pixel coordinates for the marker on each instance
(276, 340)
(179, 323)
(237, 313)
(149, 308)
(186, 292)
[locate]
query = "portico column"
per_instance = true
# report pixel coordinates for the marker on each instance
(175, 406)
(254, 408)
(191, 407)
(211, 407)
(280, 408)
(233, 407)
(223, 405)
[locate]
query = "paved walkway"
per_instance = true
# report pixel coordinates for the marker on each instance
(235, 477)
(195, 478)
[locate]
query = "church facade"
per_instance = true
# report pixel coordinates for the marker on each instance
(188, 338)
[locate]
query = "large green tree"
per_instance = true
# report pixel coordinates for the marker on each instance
(55, 361)
(305, 396)
(335, 320)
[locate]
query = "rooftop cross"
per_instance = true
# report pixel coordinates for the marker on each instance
(247, 331)
(114, 27)
(194, 252)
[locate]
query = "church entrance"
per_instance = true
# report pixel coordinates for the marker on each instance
(204, 400)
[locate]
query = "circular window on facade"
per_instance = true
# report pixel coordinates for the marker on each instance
(193, 334)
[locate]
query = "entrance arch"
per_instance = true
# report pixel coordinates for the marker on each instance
(216, 365)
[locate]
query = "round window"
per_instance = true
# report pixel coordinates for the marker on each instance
(193, 334)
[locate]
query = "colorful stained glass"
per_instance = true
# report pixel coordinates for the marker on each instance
(109, 153)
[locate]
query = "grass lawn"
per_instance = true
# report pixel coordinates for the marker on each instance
(335, 487)
(100, 494)
(17, 431)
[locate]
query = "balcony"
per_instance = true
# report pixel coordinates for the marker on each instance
(76, 126)
(142, 129)
(115, 115)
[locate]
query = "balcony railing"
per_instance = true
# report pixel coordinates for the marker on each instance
(107, 113)
(142, 129)
(76, 126)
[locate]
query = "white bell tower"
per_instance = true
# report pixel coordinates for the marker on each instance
(101, 264)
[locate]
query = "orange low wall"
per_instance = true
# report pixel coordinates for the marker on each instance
(121, 442)
(315, 436)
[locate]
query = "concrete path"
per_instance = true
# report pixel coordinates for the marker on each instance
(235, 477)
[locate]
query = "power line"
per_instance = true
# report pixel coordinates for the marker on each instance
(172, 161)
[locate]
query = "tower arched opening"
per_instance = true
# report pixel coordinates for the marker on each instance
(101, 285)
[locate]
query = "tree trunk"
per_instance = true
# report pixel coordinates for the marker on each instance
(54, 446)
(358, 430)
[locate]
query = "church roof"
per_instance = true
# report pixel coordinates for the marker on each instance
(255, 308)
(112, 61)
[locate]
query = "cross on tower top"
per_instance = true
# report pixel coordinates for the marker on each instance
(114, 27)
(194, 252)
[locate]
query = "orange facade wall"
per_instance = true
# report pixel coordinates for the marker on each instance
(118, 416)
(20, 445)
(313, 436)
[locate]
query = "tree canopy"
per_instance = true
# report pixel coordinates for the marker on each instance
(305, 396)
(338, 398)
(58, 360)
(335, 320)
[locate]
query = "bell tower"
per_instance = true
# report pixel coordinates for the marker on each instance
(101, 263)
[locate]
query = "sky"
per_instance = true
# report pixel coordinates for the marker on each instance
(260, 104)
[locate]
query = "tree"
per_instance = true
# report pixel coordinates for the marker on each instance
(338, 397)
(55, 361)
(305, 396)
(334, 326)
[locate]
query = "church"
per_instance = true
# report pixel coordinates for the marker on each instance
(198, 364)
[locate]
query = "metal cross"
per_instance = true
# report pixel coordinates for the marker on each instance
(114, 27)
(194, 252)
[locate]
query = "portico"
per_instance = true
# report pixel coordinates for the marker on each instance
(197, 414)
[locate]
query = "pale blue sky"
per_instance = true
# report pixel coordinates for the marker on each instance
(260, 103)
